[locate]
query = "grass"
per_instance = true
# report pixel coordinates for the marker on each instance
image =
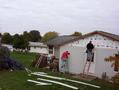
(17, 80)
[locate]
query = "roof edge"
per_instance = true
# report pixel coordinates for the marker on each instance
(92, 33)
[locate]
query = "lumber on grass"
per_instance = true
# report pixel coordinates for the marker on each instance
(38, 83)
(59, 78)
(59, 83)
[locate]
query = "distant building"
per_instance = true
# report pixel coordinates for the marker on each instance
(38, 47)
(10, 47)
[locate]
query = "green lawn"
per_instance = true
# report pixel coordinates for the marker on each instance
(17, 80)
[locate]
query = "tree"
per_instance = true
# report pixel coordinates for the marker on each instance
(16, 40)
(35, 36)
(77, 33)
(6, 38)
(19, 42)
(0, 38)
(49, 35)
(115, 60)
(0, 34)
(26, 35)
(4, 52)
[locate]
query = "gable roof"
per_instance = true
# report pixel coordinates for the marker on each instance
(60, 40)
(106, 34)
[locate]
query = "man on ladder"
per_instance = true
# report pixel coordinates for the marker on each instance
(90, 56)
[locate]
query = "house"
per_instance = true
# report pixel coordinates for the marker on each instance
(10, 47)
(106, 44)
(38, 47)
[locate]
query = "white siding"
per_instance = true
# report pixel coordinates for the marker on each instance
(101, 65)
(38, 50)
(98, 40)
(56, 52)
(76, 59)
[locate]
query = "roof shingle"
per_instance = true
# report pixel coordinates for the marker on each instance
(61, 40)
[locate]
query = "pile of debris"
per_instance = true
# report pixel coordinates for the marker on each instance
(40, 61)
(43, 61)
(6, 63)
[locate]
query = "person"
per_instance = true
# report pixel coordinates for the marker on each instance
(90, 56)
(49, 57)
(64, 59)
(89, 52)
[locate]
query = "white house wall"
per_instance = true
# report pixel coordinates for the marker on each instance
(76, 59)
(101, 65)
(38, 50)
(56, 52)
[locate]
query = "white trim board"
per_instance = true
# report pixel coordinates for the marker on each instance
(39, 73)
(56, 82)
(59, 78)
(48, 76)
(38, 83)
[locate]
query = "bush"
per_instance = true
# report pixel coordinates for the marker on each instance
(4, 52)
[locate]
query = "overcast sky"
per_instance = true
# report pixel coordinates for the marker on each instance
(62, 16)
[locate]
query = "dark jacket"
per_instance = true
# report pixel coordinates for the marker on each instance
(90, 46)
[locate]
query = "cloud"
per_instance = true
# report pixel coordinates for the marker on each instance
(63, 16)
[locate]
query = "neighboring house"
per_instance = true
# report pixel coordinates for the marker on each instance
(106, 44)
(10, 47)
(38, 47)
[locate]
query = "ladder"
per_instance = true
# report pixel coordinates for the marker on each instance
(87, 66)
(39, 61)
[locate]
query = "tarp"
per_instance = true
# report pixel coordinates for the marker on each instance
(8, 63)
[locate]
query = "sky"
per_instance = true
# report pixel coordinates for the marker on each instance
(62, 16)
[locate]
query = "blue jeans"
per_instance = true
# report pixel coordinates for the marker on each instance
(64, 66)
